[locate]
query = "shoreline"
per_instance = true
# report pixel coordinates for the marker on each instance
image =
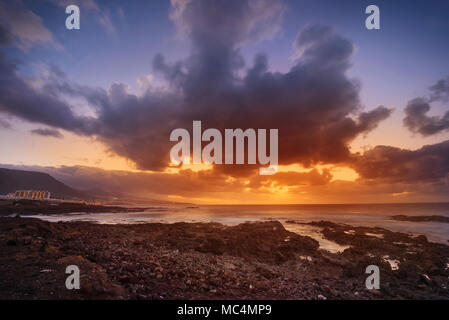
(258, 260)
(36, 207)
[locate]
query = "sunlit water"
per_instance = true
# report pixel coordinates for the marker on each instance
(357, 215)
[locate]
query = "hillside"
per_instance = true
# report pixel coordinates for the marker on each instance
(12, 180)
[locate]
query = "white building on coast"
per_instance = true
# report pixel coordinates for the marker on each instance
(29, 195)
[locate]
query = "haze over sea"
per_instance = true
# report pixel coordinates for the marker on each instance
(372, 215)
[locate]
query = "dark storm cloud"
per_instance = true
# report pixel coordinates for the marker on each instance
(315, 105)
(312, 105)
(20, 99)
(389, 164)
(417, 120)
(47, 133)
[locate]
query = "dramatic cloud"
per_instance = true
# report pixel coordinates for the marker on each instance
(41, 105)
(417, 120)
(312, 105)
(315, 105)
(394, 165)
(21, 27)
(47, 133)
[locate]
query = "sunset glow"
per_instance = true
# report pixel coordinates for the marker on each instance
(99, 103)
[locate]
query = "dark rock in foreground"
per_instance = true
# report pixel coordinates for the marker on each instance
(212, 261)
(267, 242)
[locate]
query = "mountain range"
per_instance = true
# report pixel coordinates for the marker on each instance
(12, 180)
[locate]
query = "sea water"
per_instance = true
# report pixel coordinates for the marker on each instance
(370, 215)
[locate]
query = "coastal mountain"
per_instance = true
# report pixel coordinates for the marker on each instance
(12, 180)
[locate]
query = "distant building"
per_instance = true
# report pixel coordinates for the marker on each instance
(31, 194)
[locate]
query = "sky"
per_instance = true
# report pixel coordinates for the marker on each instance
(362, 114)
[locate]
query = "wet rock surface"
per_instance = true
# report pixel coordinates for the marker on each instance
(211, 261)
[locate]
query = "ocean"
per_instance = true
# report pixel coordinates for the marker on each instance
(371, 215)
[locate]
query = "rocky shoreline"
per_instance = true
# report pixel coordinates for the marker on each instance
(260, 260)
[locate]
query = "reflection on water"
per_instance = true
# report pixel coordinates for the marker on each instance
(370, 215)
(315, 233)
